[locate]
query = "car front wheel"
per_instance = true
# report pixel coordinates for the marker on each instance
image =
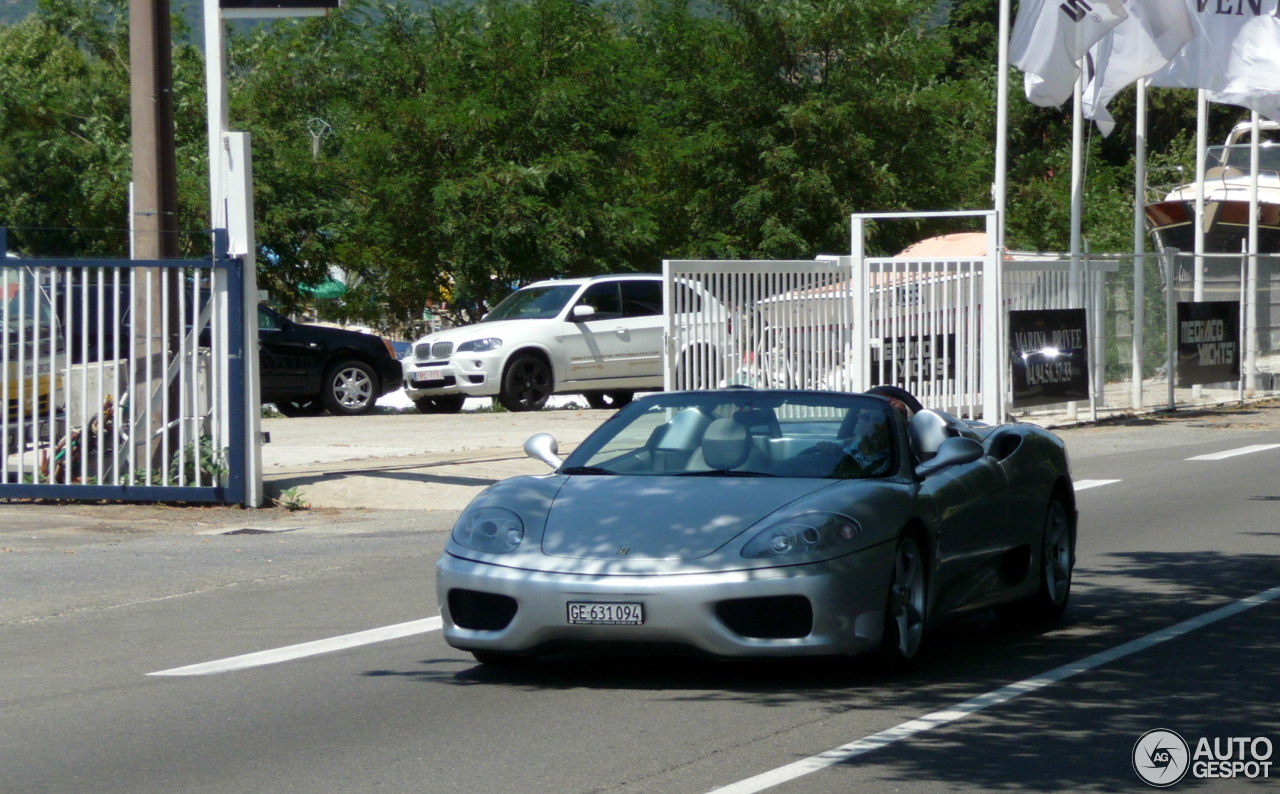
(904, 619)
(526, 385)
(350, 388)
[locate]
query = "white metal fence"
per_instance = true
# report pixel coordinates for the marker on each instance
(841, 323)
(116, 376)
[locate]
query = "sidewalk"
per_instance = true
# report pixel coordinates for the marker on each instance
(410, 461)
(437, 462)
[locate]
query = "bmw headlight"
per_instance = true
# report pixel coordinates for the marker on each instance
(480, 345)
(495, 530)
(803, 534)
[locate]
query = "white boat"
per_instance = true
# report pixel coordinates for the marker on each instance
(1226, 195)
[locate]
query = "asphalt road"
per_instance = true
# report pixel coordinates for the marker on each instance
(1172, 539)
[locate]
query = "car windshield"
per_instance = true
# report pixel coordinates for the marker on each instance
(25, 306)
(533, 303)
(744, 433)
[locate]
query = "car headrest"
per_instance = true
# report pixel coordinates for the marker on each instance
(726, 444)
(928, 429)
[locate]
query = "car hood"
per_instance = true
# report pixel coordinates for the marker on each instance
(661, 518)
(338, 337)
(481, 331)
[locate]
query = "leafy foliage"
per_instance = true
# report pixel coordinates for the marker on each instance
(463, 149)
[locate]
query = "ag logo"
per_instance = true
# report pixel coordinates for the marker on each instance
(1160, 758)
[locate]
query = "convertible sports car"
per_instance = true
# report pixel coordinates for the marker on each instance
(742, 523)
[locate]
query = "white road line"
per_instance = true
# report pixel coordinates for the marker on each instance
(995, 697)
(1231, 453)
(291, 652)
(1084, 485)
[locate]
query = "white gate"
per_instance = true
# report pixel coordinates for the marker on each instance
(767, 324)
(842, 323)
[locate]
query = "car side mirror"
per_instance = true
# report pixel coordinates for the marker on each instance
(952, 452)
(583, 312)
(543, 447)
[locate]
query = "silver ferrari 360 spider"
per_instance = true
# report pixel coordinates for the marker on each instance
(741, 523)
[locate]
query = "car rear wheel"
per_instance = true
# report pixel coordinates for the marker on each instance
(350, 388)
(608, 399)
(446, 404)
(904, 617)
(501, 659)
(526, 385)
(1057, 558)
(299, 408)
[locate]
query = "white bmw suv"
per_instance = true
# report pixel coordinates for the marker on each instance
(600, 337)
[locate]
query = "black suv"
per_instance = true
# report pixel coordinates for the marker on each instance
(305, 369)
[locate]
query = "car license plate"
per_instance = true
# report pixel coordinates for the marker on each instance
(427, 375)
(609, 614)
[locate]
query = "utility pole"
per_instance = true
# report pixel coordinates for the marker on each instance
(155, 205)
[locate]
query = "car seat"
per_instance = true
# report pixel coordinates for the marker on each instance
(727, 444)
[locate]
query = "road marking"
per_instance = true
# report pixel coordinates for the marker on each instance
(1084, 485)
(291, 652)
(1231, 453)
(995, 697)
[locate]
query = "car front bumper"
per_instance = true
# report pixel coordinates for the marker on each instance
(472, 374)
(848, 597)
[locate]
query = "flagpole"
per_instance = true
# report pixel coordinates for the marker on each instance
(1002, 124)
(1077, 204)
(1139, 238)
(1251, 310)
(1202, 135)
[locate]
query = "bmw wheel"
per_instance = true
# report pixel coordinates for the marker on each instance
(526, 384)
(350, 388)
(904, 618)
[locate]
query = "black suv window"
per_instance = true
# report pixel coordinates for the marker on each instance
(641, 298)
(267, 320)
(603, 297)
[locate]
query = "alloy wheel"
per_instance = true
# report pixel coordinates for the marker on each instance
(906, 598)
(1057, 553)
(352, 388)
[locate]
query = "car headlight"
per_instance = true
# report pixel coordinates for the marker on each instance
(480, 345)
(803, 534)
(495, 530)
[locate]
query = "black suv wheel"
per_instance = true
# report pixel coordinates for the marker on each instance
(350, 388)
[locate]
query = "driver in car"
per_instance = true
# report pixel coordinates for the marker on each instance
(866, 452)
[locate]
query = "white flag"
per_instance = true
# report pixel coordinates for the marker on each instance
(1138, 47)
(1235, 54)
(1050, 38)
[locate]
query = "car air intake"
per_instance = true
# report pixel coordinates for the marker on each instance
(481, 611)
(769, 617)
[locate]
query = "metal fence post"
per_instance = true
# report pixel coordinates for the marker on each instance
(992, 319)
(1170, 323)
(669, 333)
(859, 304)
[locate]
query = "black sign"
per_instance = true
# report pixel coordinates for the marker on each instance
(904, 358)
(269, 5)
(1049, 353)
(1208, 342)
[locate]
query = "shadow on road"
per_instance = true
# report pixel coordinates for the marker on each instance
(1219, 680)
